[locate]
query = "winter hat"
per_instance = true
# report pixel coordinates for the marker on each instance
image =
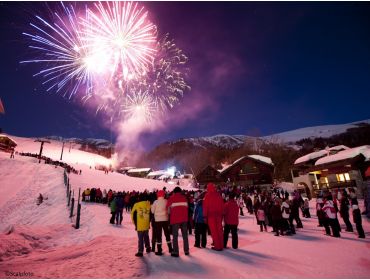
(177, 190)
(160, 193)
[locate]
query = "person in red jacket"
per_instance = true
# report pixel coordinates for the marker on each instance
(231, 219)
(177, 207)
(213, 208)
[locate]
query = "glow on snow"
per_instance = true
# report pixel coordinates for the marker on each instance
(110, 52)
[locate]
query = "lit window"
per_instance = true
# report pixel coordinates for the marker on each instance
(346, 175)
(341, 178)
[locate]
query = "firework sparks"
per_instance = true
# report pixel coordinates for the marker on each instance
(139, 105)
(165, 80)
(110, 54)
(123, 32)
(62, 51)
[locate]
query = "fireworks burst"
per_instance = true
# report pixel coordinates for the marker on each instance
(110, 54)
(140, 106)
(123, 32)
(166, 78)
(63, 53)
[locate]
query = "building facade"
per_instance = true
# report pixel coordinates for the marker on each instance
(332, 169)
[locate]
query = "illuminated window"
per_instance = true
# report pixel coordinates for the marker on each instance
(343, 177)
(346, 176)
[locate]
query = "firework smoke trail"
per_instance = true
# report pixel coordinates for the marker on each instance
(63, 53)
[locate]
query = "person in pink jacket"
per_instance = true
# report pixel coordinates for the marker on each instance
(213, 208)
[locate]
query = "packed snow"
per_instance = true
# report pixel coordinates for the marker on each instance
(40, 239)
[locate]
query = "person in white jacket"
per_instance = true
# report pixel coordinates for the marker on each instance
(158, 208)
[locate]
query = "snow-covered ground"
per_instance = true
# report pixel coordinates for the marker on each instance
(41, 240)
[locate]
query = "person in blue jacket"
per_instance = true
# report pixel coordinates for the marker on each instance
(200, 225)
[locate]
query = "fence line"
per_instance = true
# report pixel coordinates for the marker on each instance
(70, 194)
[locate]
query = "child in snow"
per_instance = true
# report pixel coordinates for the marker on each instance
(140, 216)
(306, 209)
(261, 219)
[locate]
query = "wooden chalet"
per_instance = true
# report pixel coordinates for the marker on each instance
(247, 170)
(208, 175)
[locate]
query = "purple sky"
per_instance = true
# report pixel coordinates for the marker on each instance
(256, 68)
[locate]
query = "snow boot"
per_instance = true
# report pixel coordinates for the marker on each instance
(159, 250)
(169, 244)
(139, 254)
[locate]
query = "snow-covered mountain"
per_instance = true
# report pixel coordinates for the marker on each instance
(323, 131)
(287, 137)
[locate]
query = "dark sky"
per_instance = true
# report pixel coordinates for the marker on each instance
(257, 68)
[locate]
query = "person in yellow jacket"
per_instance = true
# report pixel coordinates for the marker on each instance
(140, 216)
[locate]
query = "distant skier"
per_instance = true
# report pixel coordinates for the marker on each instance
(40, 199)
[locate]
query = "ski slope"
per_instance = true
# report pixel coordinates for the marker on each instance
(41, 239)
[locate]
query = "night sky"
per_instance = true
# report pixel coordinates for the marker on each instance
(257, 68)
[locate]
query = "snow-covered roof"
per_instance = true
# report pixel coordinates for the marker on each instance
(157, 173)
(346, 154)
(6, 136)
(338, 148)
(320, 154)
(226, 166)
(257, 157)
(262, 158)
(137, 170)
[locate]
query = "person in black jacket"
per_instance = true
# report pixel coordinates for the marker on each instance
(344, 211)
(357, 219)
(276, 217)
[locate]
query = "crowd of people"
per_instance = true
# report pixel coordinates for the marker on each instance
(56, 163)
(216, 212)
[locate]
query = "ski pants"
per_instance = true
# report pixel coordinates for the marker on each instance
(234, 235)
(158, 227)
(345, 217)
(143, 237)
(175, 236)
(200, 234)
(334, 227)
(215, 225)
